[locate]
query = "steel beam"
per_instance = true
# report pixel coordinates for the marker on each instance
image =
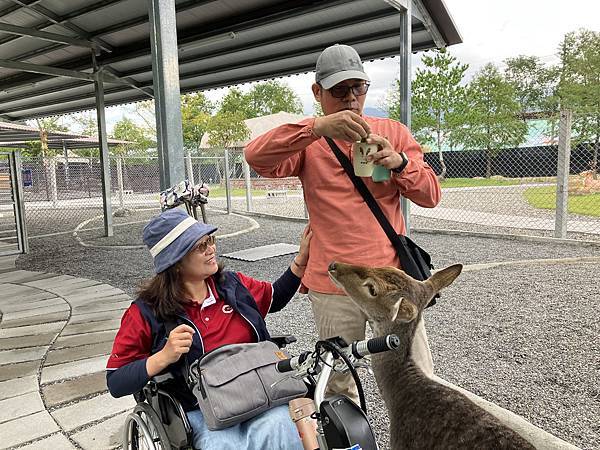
(165, 72)
(71, 15)
(424, 16)
(267, 74)
(57, 20)
(405, 87)
(46, 70)
(104, 158)
(214, 69)
(44, 35)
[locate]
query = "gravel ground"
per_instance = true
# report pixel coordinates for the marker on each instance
(524, 337)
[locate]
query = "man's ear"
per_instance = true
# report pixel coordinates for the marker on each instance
(316, 89)
(404, 311)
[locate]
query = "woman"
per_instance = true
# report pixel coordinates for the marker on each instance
(190, 307)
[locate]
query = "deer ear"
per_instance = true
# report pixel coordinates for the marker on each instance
(404, 311)
(444, 278)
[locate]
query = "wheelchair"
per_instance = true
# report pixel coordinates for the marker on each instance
(158, 421)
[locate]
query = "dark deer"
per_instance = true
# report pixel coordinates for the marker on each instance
(424, 414)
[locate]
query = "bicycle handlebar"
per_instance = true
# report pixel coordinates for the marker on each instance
(358, 349)
(287, 365)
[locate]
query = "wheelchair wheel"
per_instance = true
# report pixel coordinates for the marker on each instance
(144, 431)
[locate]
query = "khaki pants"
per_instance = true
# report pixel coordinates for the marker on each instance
(337, 315)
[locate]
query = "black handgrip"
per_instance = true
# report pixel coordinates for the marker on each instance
(285, 365)
(383, 343)
(360, 349)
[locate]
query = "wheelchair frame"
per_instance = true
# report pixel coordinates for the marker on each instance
(158, 421)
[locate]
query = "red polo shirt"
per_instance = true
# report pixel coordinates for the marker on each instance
(217, 322)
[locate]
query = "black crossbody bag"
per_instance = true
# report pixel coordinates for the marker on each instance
(414, 260)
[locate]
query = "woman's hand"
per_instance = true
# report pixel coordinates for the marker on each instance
(178, 343)
(299, 264)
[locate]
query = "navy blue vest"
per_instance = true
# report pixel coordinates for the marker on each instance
(233, 292)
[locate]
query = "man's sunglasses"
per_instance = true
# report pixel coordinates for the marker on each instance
(342, 91)
(202, 246)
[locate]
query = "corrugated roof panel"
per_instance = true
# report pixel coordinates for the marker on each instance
(272, 38)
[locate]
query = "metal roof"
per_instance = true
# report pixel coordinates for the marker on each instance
(15, 135)
(221, 43)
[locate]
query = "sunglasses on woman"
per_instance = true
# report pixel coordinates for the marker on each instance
(202, 246)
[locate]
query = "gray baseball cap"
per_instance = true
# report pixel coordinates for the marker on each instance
(338, 63)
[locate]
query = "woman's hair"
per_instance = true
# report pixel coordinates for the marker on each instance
(165, 294)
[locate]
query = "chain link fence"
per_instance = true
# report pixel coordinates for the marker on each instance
(525, 190)
(546, 187)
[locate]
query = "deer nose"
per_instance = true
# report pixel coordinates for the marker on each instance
(331, 267)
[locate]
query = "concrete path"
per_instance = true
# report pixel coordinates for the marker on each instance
(56, 332)
(55, 335)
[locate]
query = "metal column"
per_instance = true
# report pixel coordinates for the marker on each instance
(405, 85)
(165, 73)
(562, 174)
(16, 182)
(104, 158)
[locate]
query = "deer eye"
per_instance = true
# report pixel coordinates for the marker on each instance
(371, 288)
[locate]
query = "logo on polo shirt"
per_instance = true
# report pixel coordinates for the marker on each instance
(227, 309)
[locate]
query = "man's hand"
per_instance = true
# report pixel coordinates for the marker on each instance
(344, 125)
(178, 343)
(386, 156)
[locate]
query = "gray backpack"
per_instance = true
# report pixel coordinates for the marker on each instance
(236, 382)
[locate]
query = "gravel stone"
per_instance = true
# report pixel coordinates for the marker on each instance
(522, 336)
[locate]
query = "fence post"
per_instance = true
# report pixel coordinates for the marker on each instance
(120, 180)
(53, 187)
(249, 206)
(562, 174)
(227, 182)
(189, 167)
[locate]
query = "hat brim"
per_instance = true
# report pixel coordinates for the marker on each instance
(332, 80)
(181, 246)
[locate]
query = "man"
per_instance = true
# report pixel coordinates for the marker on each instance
(344, 229)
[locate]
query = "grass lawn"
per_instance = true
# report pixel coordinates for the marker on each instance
(545, 198)
(476, 182)
(220, 192)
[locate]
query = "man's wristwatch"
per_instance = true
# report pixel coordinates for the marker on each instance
(401, 167)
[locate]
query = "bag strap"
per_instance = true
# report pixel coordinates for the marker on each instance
(398, 242)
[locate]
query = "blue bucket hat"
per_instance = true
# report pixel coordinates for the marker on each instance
(171, 235)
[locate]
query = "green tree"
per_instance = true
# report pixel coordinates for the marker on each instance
(263, 99)
(436, 101)
(85, 123)
(45, 126)
(525, 73)
(535, 86)
(317, 109)
(225, 129)
(196, 110)
(579, 86)
(491, 121)
(127, 130)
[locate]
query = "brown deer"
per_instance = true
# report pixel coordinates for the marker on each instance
(424, 414)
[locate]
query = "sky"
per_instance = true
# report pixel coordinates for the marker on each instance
(492, 30)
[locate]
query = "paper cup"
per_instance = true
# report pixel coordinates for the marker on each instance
(360, 151)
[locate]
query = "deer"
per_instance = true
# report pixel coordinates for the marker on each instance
(423, 413)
